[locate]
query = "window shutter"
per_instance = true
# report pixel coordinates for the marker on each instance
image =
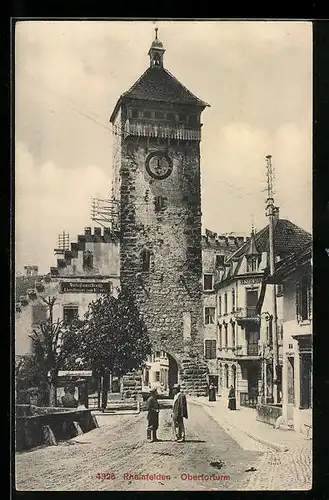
(309, 299)
(298, 304)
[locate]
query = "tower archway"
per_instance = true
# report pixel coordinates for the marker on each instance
(161, 373)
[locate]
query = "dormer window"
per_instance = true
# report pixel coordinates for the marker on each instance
(145, 255)
(252, 264)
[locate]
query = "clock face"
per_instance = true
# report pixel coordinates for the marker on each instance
(158, 165)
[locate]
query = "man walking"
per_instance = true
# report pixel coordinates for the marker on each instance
(152, 407)
(179, 413)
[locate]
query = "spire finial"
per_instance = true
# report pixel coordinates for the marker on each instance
(252, 224)
(156, 33)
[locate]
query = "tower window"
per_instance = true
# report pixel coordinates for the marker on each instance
(219, 261)
(170, 116)
(210, 349)
(147, 114)
(208, 282)
(145, 254)
(159, 115)
(159, 203)
(134, 113)
(209, 315)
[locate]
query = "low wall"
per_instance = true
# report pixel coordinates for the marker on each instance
(55, 425)
(268, 413)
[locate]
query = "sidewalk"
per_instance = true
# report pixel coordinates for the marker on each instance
(244, 420)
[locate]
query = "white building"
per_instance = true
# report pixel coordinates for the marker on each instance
(295, 275)
(244, 307)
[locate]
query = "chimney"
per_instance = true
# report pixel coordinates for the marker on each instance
(239, 240)
(222, 240)
(231, 240)
(87, 230)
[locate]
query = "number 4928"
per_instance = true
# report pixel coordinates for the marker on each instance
(105, 475)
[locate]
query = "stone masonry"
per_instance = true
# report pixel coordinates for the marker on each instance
(160, 215)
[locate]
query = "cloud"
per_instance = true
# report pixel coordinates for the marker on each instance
(50, 199)
(257, 77)
(236, 177)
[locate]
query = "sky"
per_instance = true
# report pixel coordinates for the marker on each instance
(256, 76)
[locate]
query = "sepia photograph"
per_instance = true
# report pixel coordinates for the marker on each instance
(163, 255)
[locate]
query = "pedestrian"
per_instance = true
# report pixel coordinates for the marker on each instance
(212, 393)
(231, 399)
(179, 413)
(152, 407)
(68, 400)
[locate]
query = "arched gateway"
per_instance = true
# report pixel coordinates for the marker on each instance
(156, 179)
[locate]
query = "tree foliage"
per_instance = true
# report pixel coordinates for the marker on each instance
(52, 344)
(113, 337)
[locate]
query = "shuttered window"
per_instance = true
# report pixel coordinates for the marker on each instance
(210, 349)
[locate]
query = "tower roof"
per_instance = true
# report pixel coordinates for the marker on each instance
(158, 84)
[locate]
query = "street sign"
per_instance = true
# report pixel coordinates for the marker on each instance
(85, 287)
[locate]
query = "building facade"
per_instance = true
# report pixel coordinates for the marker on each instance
(82, 274)
(294, 274)
(245, 309)
(156, 181)
(215, 249)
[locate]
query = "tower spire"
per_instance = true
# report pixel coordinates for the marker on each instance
(156, 52)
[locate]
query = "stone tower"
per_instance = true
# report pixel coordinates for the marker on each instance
(156, 181)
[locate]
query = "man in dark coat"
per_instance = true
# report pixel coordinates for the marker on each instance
(179, 413)
(152, 407)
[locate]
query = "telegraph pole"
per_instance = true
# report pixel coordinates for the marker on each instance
(270, 210)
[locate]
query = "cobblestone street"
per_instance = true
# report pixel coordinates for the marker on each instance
(120, 448)
(290, 470)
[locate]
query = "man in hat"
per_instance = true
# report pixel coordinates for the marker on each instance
(179, 413)
(152, 407)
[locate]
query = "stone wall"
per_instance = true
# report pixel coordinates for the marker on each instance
(172, 289)
(48, 428)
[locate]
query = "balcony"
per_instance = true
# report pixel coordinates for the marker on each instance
(250, 349)
(246, 314)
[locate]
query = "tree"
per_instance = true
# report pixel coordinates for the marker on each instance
(52, 343)
(113, 337)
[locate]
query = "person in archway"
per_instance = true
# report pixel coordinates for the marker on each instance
(212, 392)
(231, 399)
(152, 407)
(179, 413)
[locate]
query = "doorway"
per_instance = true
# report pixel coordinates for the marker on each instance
(172, 374)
